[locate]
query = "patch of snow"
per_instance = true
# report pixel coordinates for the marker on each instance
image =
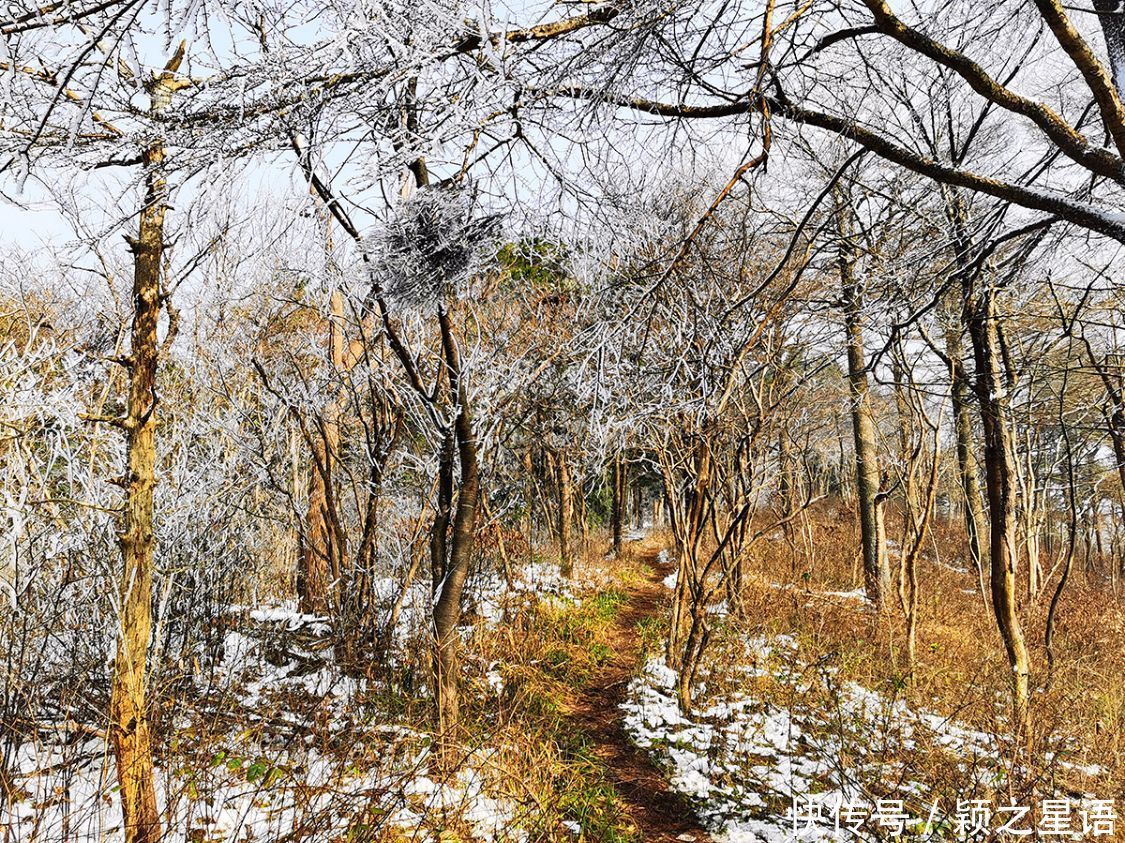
(494, 679)
(743, 760)
(854, 594)
(288, 618)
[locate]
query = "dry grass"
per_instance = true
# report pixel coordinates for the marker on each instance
(961, 671)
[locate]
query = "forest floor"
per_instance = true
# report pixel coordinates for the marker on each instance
(660, 814)
(574, 732)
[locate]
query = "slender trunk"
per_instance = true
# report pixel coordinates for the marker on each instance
(694, 646)
(787, 485)
(443, 510)
(1113, 28)
(999, 478)
(129, 728)
(321, 554)
(961, 389)
(972, 508)
(905, 437)
(296, 491)
(447, 605)
(1072, 539)
(583, 514)
(687, 635)
(618, 515)
(501, 545)
(1115, 414)
(529, 503)
(356, 604)
(1117, 436)
(911, 556)
(565, 515)
(876, 571)
(787, 492)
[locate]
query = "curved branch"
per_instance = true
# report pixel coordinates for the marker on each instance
(1092, 70)
(1080, 213)
(1073, 144)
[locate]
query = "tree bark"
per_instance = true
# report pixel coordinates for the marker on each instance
(321, 553)
(565, 515)
(1115, 414)
(129, 727)
(992, 398)
(447, 602)
(618, 514)
(1113, 28)
(443, 511)
(876, 570)
(972, 507)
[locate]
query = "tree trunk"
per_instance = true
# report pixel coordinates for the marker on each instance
(1117, 436)
(618, 515)
(443, 510)
(129, 727)
(787, 481)
(1113, 28)
(972, 507)
(876, 570)
(529, 503)
(999, 478)
(447, 602)
(957, 212)
(565, 515)
(321, 553)
(1115, 414)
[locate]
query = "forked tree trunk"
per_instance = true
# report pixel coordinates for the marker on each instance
(689, 525)
(991, 390)
(129, 728)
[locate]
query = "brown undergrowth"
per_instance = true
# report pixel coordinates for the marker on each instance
(810, 591)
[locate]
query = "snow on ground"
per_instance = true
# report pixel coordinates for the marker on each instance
(743, 759)
(271, 774)
(854, 594)
(491, 597)
(290, 618)
(252, 800)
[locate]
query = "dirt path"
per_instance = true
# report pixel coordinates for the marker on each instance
(661, 814)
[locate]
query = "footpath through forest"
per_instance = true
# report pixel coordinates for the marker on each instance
(660, 814)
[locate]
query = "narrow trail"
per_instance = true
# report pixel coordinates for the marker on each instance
(661, 814)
